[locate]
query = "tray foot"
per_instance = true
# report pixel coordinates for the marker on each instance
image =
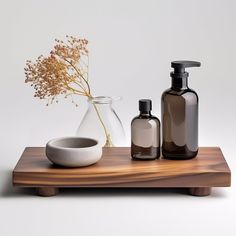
(200, 191)
(46, 191)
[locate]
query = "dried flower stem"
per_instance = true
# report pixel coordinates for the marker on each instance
(79, 74)
(108, 136)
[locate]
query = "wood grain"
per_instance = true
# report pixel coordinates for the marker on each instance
(117, 169)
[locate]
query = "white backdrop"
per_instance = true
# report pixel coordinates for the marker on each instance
(131, 46)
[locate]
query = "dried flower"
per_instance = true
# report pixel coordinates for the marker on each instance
(64, 71)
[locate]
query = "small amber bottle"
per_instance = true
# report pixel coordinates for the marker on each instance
(145, 133)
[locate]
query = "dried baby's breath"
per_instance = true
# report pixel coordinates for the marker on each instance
(63, 72)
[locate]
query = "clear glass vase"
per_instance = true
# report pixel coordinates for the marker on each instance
(102, 123)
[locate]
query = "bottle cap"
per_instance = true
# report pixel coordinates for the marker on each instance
(145, 105)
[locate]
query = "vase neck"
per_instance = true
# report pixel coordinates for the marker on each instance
(101, 100)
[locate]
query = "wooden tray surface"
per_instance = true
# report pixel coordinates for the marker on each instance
(117, 169)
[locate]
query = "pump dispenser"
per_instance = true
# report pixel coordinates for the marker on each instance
(179, 105)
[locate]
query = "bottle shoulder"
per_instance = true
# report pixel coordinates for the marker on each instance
(183, 93)
(145, 118)
(155, 118)
(135, 118)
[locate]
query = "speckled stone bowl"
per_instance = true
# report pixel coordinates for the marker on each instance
(73, 151)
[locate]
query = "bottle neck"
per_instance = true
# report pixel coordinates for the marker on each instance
(145, 113)
(179, 83)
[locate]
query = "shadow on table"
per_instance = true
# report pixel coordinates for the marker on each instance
(9, 191)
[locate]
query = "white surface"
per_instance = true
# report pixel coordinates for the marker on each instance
(131, 44)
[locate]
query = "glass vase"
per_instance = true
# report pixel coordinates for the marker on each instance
(101, 122)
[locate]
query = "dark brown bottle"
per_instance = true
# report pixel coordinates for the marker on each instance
(179, 106)
(145, 133)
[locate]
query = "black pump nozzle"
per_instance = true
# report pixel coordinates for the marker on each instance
(179, 68)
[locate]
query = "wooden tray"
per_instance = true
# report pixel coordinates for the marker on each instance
(117, 169)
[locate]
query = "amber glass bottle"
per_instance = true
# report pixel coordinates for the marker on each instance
(180, 115)
(145, 133)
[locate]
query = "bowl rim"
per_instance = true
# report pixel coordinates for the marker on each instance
(51, 145)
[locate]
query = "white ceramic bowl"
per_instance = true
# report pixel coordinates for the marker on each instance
(73, 151)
